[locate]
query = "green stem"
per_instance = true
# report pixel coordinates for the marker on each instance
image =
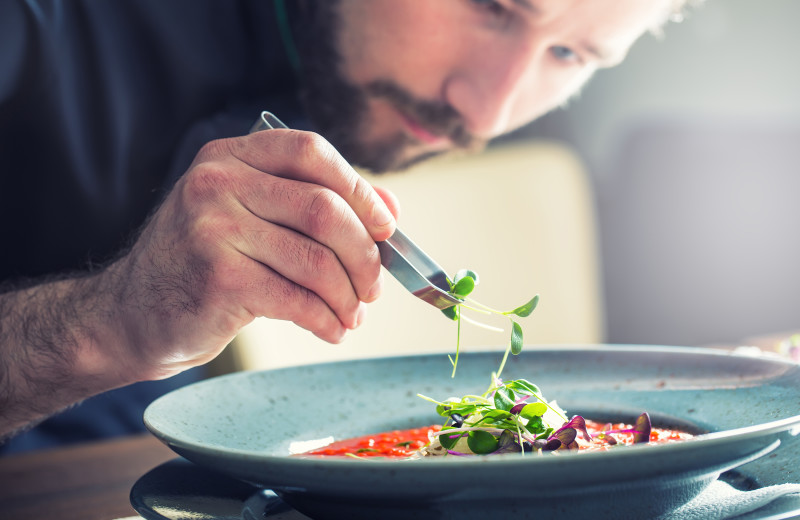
(458, 340)
(503, 363)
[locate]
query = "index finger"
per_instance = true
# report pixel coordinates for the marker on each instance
(308, 157)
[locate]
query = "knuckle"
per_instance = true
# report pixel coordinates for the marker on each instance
(320, 260)
(292, 301)
(228, 276)
(360, 189)
(311, 147)
(325, 213)
(211, 227)
(207, 181)
(213, 149)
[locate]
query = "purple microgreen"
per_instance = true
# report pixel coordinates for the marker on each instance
(577, 423)
(517, 408)
(565, 435)
(506, 439)
(552, 445)
(458, 453)
(508, 443)
(643, 428)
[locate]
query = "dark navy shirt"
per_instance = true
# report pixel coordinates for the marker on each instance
(103, 105)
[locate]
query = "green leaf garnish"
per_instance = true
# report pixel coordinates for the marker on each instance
(504, 399)
(523, 311)
(502, 419)
(516, 338)
(460, 287)
(450, 312)
(523, 386)
(464, 273)
(481, 442)
(448, 441)
(529, 411)
(463, 287)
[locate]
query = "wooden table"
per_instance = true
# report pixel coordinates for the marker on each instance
(86, 482)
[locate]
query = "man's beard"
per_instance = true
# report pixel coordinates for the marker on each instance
(339, 109)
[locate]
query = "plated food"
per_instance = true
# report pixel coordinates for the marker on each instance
(510, 417)
(741, 408)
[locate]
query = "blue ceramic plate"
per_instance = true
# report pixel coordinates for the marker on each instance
(243, 424)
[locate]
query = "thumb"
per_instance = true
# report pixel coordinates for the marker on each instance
(390, 199)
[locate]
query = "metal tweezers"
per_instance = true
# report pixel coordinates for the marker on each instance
(409, 264)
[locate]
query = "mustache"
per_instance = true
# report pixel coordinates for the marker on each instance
(438, 118)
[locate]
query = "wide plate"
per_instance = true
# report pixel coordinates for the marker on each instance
(243, 424)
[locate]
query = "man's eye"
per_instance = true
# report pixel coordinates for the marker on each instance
(493, 6)
(564, 53)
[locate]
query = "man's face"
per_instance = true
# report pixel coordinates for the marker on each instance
(416, 78)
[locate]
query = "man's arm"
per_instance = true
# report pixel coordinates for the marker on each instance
(272, 224)
(55, 349)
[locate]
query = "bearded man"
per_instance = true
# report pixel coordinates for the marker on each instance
(142, 229)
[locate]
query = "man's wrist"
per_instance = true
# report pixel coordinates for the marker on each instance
(58, 347)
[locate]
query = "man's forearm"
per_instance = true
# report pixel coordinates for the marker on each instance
(55, 349)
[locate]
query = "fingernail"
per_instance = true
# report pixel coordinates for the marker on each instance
(381, 215)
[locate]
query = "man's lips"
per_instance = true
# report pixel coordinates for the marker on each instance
(424, 135)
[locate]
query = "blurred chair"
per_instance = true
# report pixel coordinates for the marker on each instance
(520, 215)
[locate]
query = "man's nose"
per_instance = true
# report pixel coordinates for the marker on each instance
(484, 89)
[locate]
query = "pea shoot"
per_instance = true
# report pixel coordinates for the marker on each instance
(460, 287)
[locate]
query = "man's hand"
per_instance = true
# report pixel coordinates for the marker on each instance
(272, 224)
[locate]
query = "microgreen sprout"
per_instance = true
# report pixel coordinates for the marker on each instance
(502, 419)
(461, 287)
(513, 417)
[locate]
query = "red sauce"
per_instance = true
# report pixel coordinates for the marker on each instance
(399, 444)
(393, 444)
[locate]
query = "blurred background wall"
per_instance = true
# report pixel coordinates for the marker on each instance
(693, 146)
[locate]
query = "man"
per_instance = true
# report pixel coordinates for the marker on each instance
(108, 107)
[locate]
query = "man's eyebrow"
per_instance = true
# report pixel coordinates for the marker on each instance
(601, 55)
